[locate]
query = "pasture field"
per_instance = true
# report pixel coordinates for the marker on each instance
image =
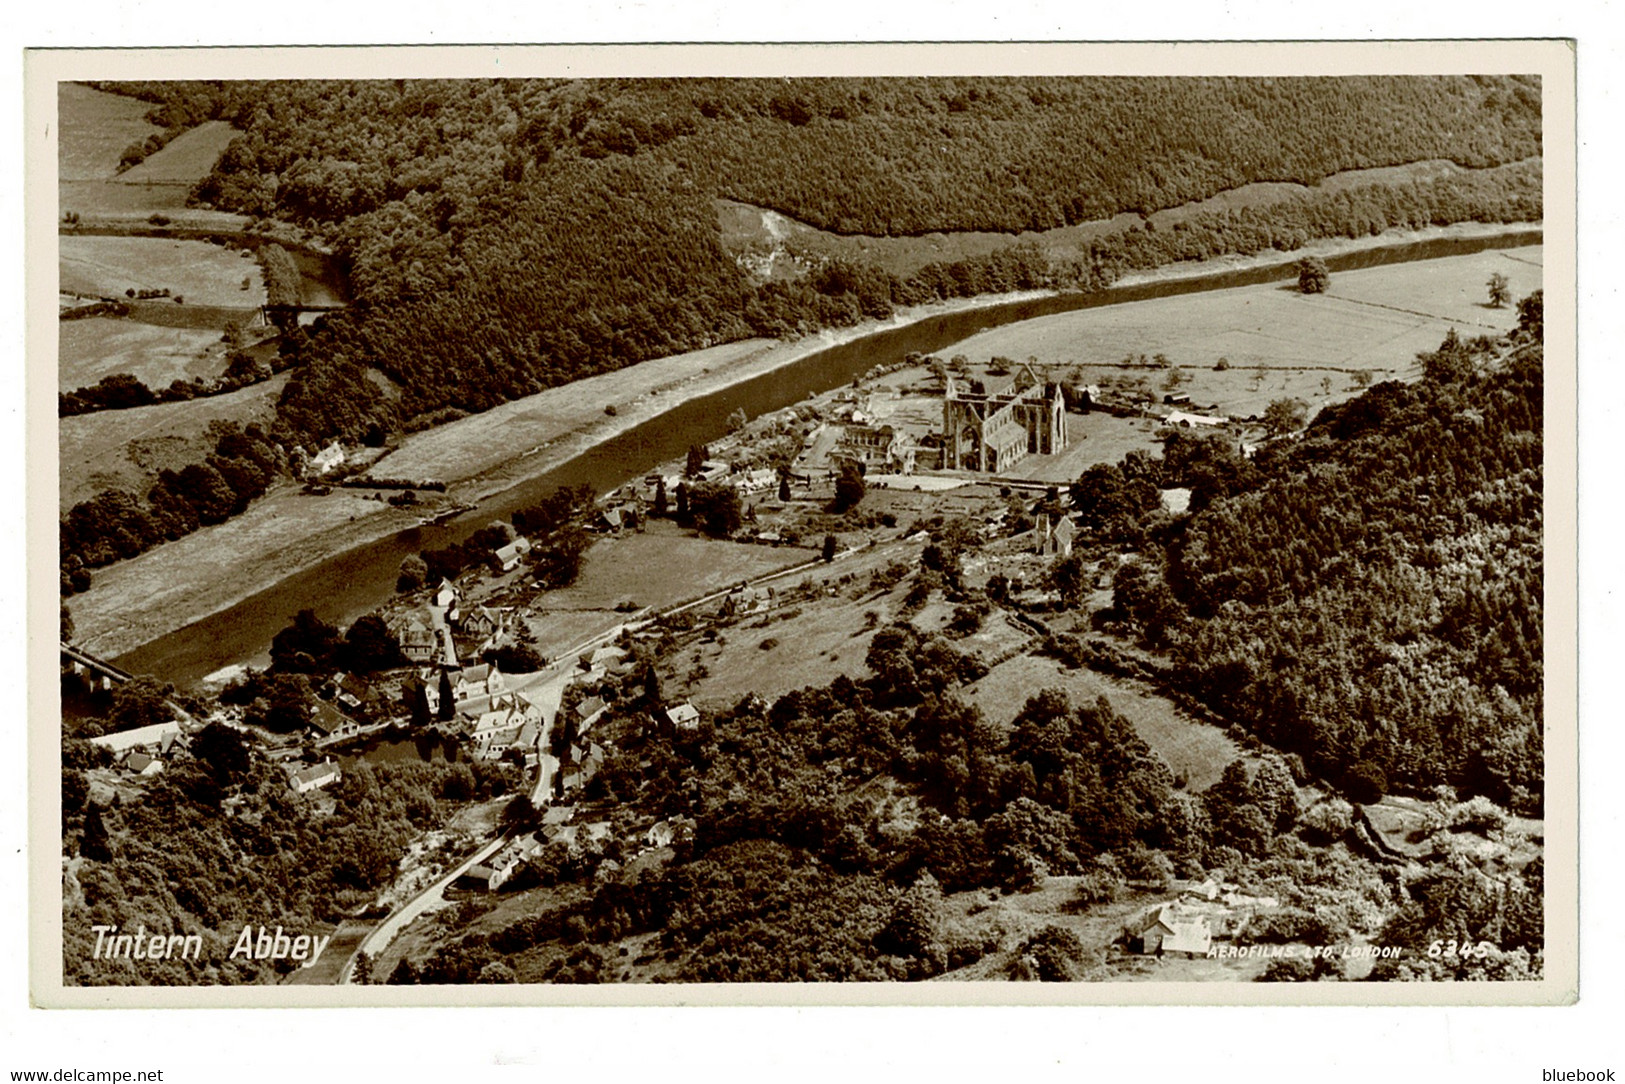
(125, 448)
(93, 128)
(100, 346)
(202, 273)
(1378, 318)
(1195, 749)
(665, 564)
(186, 158)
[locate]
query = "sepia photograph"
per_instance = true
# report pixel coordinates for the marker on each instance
(1067, 524)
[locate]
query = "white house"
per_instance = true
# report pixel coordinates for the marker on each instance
(514, 552)
(329, 459)
(305, 780)
(684, 716)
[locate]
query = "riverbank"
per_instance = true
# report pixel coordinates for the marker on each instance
(182, 582)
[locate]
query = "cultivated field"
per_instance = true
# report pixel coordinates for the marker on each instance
(1197, 750)
(186, 158)
(94, 127)
(202, 273)
(125, 448)
(93, 348)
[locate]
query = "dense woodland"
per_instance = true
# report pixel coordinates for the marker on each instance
(1393, 633)
(502, 237)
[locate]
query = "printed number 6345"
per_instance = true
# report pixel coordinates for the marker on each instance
(1459, 948)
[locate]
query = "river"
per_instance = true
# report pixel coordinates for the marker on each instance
(360, 580)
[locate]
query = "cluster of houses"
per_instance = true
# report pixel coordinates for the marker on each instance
(557, 828)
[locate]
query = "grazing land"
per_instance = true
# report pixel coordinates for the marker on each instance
(1366, 319)
(201, 273)
(100, 346)
(663, 565)
(185, 158)
(1194, 750)
(114, 449)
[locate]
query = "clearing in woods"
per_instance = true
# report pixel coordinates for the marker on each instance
(1193, 749)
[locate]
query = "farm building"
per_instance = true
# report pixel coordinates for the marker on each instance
(156, 738)
(1165, 928)
(142, 764)
(684, 716)
(329, 459)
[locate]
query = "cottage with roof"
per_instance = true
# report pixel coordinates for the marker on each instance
(416, 636)
(315, 777)
(1165, 928)
(142, 764)
(509, 557)
(684, 716)
(482, 680)
(1054, 533)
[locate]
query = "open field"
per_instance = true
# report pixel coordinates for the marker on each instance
(184, 159)
(91, 349)
(125, 448)
(1197, 750)
(202, 273)
(1277, 327)
(94, 127)
(665, 564)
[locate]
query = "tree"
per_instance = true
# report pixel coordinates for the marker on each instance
(1283, 416)
(370, 645)
(307, 645)
(1313, 275)
(829, 548)
(1500, 290)
(95, 843)
(849, 487)
(223, 750)
(1070, 578)
(1532, 314)
(660, 508)
(695, 463)
(448, 699)
(784, 486)
(414, 570)
(715, 506)
(682, 514)
(139, 702)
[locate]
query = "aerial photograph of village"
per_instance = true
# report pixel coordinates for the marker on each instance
(746, 530)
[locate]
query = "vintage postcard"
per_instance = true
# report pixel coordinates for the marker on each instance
(768, 524)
